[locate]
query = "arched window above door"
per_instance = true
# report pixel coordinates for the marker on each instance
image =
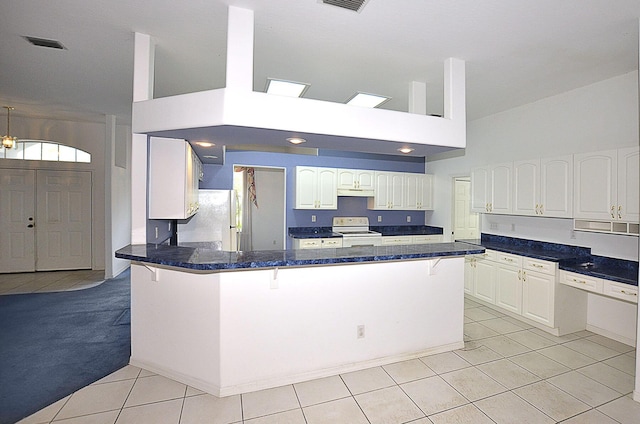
(45, 150)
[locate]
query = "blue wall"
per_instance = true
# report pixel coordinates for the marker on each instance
(220, 177)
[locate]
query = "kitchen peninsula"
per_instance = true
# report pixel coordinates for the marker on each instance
(234, 322)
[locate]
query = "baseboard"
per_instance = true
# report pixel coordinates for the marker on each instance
(223, 391)
(611, 335)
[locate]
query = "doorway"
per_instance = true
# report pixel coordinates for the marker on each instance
(261, 219)
(45, 220)
(466, 224)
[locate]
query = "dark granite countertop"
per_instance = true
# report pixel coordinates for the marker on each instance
(385, 230)
(200, 257)
(570, 258)
(406, 230)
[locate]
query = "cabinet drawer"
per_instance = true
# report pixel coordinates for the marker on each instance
(509, 259)
(538, 265)
(488, 255)
(581, 281)
(390, 240)
(309, 243)
(333, 242)
(620, 291)
(426, 239)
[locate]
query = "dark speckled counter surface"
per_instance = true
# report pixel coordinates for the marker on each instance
(570, 258)
(385, 230)
(199, 256)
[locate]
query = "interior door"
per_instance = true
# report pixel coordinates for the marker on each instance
(17, 232)
(465, 222)
(63, 223)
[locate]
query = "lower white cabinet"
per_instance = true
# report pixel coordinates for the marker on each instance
(395, 240)
(484, 277)
(538, 297)
(317, 243)
(509, 288)
(609, 288)
(424, 239)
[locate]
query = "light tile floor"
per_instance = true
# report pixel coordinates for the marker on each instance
(49, 281)
(508, 372)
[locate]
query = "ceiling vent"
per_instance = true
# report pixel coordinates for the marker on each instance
(355, 5)
(43, 42)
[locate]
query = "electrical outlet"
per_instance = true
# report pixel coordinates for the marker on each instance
(379, 218)
(408, 218)
(156, 232)
(169, 226)
(313, 218)
(361, 331)
(493, 226)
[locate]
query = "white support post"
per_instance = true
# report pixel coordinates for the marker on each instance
(240, 49)
(418, 98)
(143, 62)
(454, 90)
(636, 392)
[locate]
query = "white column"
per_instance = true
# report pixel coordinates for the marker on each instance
(240, 49)
(418, 98)
(143, 61)
(454, 90)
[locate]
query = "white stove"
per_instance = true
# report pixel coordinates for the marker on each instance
(355, 231)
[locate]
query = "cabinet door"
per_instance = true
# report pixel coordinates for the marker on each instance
(556, 187)
(500, 188)
(347, 178)
(509, 288)
(413, 187)
(170, 194)
(306, 178)
(381, 198)
(484, 281)
(426, 202)
(365, 180)
(526, 187)
(538, 293)
(469, 272)
(326, 189)
(480, 189)
(628, 185)
(595, 186)
(396, 190)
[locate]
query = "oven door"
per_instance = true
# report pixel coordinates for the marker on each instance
(352, 241)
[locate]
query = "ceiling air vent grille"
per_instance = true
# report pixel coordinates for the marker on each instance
(354, 5)
(43, 42)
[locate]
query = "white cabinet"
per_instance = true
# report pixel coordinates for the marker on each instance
(425, 239)
(484, 277)
(389, 191)
(395, 240)
(318, 243)
(509, 282)
(355, 179)
(538, 290)
(418, 192)
(543, 187)
(174, 172)
(316, 188)
(491, 189)
(606, 185)
(609, 288)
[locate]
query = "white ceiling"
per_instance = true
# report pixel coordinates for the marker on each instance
(516, 51)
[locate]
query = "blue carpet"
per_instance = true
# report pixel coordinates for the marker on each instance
(52, 344)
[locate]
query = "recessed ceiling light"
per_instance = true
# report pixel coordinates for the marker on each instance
(210, 157)
(205, 144)
(405, 150)
(286, 88)
(367, 100)
(296, 140)
(45, 42)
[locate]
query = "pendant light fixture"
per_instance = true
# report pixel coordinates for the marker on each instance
(9, 142)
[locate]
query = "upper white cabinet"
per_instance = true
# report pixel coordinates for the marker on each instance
(388, 191)
(355, 179)
(418, 192)
(543, 187)
(606, 185)
(491, 188)
(316, 188)
(174, 172)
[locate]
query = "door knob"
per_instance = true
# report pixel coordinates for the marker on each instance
(30, 226)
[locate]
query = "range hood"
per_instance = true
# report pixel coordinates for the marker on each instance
(355, 192)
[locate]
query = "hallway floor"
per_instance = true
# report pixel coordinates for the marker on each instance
(508, 372)
(49, 281)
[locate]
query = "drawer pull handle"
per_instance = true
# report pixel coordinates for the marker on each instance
(579, 281)
(630, 294)
(537, 265)
(508, 259)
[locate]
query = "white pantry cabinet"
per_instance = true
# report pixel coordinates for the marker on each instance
(606, 185)
(174, 172)
(543, 187)
(388, 191)
(418, 192)
(355, 179)
(491, 189)
(316, 188)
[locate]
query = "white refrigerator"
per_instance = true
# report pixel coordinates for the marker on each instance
(215, 220)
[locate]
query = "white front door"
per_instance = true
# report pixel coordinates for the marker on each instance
(55, 234)
(17, 214)
(63, 220)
